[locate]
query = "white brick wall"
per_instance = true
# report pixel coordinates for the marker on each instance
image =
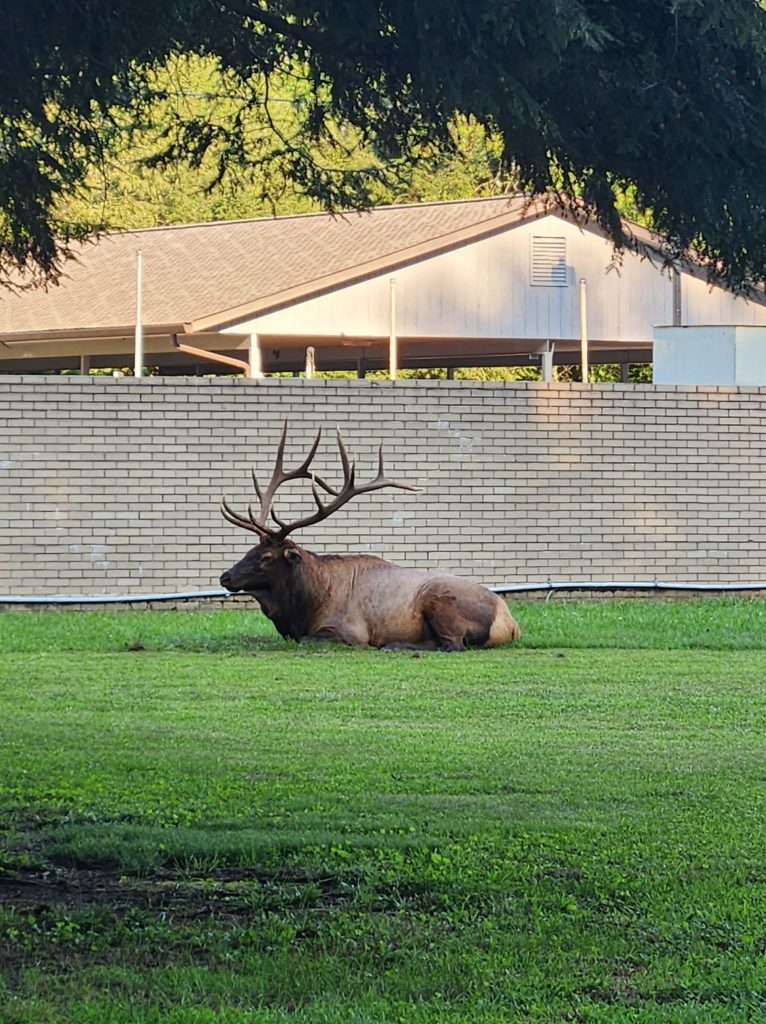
(111, 486)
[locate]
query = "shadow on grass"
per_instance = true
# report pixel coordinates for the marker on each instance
(215, 644)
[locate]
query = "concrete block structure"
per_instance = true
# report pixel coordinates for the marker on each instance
(112, 486)
(710, 355)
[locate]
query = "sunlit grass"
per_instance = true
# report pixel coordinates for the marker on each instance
(720, 623)
(205, 823)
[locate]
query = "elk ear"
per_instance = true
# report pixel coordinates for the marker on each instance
(292, 555)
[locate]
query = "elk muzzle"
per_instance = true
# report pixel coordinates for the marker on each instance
(226, 581)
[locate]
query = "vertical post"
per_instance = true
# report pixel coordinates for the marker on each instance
(584, 330)
(138, 347)
(84, 365)
(254, 360)
(624, 373)
(310, 362)
(546, 359)
(676, 297)
(393, 345)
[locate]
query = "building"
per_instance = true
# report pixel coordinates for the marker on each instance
(470, 283)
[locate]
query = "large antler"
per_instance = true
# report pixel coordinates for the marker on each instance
(349, 490)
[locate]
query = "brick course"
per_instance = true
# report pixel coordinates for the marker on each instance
(112, 485)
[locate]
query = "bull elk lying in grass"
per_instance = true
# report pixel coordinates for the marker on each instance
(358, 600)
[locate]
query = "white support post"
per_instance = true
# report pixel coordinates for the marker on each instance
(311, 363)
(393, 342)
(138, 346)
(546, 359)
(584, 330)
(254, 359)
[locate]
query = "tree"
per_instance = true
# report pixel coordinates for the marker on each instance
(126, 191)
(664, 98)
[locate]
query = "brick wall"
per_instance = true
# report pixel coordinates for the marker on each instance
(111, 486)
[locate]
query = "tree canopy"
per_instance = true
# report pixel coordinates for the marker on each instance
(665, 99)
(126, 191)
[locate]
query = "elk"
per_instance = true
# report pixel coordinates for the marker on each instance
(359, 600)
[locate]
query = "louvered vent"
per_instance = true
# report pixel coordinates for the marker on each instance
(548, 261)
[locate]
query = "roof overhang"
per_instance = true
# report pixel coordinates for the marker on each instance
(287, 354)
(87, 334)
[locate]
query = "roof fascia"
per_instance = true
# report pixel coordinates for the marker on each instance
(90, 333)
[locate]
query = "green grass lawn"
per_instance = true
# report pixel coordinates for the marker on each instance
(201, 823)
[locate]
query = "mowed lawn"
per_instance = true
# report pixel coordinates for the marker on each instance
(201, 823)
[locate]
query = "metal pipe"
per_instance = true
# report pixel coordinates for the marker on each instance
(115, 598)
(677, 297)
(723, 588)
(584, 330)
(138, 345)
(393, 343)
(509, 588)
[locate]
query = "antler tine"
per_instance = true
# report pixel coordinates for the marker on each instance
(281, 449)
(348, 468)
(237, 520)
(281, 476)
(315, 493)
(301, 470)
(381, 480)
(255, 485)
(258, 523)
(348, 491)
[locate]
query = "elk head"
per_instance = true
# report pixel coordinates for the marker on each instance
(274, 558)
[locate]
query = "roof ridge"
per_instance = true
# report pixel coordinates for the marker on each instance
(314, 213)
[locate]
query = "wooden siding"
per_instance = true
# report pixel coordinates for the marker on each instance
(484, 290)
(702, 305)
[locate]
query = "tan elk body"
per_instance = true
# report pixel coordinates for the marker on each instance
(356, 599)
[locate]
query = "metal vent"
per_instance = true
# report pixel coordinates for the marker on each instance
(548, 261)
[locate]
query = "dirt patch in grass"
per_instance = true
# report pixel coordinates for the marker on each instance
(233, 892)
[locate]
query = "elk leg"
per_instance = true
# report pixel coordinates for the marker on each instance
(448, 626)
(450, 644)
(335, 635)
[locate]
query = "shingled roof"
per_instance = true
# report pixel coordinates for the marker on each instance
(208, 288)
(204, 276)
